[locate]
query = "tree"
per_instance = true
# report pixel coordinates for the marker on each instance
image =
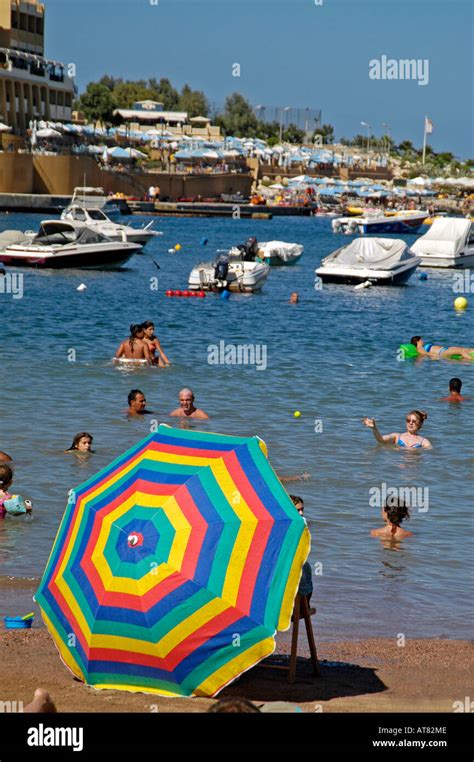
(127, 93)
(238, 118)
(293, 134)
(110, 82)
(165, 93)
(327, 131)
(193, 101)
(97, 103)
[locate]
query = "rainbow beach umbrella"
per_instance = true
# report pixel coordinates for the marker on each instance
(174, 567)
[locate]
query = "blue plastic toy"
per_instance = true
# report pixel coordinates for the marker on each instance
(19, 622)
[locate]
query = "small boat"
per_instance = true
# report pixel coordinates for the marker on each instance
(274, 253)
(378, 222)
(60, 244)
(448, 243)
(277, 253)
(97, 219)
(382, 261)
(231, 272)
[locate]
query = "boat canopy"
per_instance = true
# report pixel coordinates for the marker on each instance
(379, 253)
(62, 233)
(446, 236)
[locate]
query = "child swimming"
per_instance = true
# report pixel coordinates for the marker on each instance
(393, 515)
(6, 480)
(82, 442)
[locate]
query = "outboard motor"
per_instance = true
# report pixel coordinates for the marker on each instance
(221, 270)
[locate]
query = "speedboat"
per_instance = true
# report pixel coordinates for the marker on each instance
(97, 219)
(378, 222)
(448, 243)
(231, 272)
(60, 244)
(96, 197)
(383, 261)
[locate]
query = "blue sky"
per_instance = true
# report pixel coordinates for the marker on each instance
(290, 52)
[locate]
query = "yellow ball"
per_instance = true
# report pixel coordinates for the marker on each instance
(177, 247)
(460, 303)
(297, 414)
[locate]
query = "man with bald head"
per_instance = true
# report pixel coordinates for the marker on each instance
(4, 456)
(186, 407)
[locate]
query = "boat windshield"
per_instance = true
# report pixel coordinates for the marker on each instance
(97, 214)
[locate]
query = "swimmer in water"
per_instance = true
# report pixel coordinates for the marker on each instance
(82, 442)
(137, 404)
(438, 352)
(186, 407)
(4, 456)
(393, 513)
(6, 480)
(410, 438)
(294, 299)
(455, 386)
(135, 347)
(154, 345)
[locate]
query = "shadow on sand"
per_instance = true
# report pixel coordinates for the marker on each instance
(337, 679)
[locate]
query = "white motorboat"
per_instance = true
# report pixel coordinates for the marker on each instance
(448, 243)
(88, 196)
(231, 272)
(277, 253)
(378, 222)
(274, 253)
(97, 219)
(60, 244)
(383, 261)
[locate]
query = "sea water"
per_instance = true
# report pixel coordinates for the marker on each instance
(333, 357)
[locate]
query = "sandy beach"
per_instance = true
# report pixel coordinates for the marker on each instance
(374, 676)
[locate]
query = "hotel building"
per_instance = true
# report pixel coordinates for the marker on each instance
(31, 86)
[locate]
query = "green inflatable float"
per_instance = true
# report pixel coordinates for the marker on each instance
(409, 352)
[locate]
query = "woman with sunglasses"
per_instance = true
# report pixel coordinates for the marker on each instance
(410, 438)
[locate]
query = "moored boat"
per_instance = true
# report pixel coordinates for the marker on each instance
(60, 244)
(381, 261)
(449, 242)
(230, 272)
(368, 224)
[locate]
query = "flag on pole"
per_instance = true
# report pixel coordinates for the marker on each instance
(428, 126)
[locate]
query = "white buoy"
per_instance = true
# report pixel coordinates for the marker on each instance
(365, 284)
(82, 287)
(171, 251)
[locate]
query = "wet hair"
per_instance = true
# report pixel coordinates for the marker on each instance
(78, 438)
(147, 324)
(135, 328)
(455, 385)
(6, 476)
(297, 500)
(396, 510)
(133, 394)
(234, 706)
(414, 340)
(421, 416)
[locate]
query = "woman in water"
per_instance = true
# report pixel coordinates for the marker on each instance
(436, 351)
(393, 515)
(82, 442)
(410, 438)
(154, 345)
(134, 349)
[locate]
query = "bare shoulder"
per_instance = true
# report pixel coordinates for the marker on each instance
(201, 414)
(176, 413)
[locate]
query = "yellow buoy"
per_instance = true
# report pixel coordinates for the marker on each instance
(460, 303)
(177, 247)
(297, 414)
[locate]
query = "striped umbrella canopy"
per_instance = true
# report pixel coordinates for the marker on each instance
(174, 567)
